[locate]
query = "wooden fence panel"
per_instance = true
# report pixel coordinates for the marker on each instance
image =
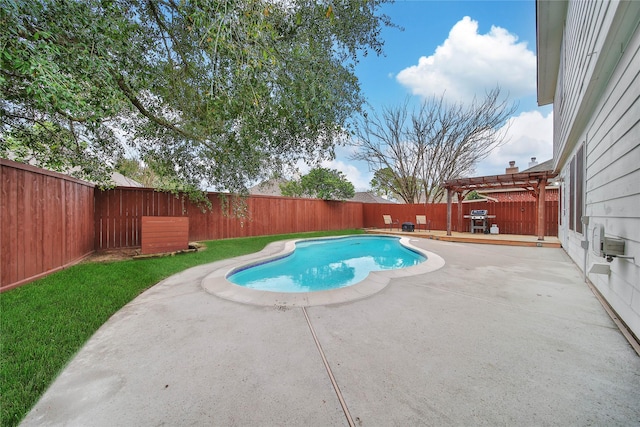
(436, 213)
(119, 212)
(46, 222)
(517, 217)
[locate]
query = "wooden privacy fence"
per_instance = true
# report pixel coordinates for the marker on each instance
(511, 217)
(49, 221)
(46, 222)
(119, 214)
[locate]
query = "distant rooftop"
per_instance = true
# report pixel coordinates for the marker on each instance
(368, 197)
(122, 181)
(270, 187)
(541, 167)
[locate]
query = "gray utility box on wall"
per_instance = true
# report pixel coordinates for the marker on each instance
(605, 246)
(611, 246)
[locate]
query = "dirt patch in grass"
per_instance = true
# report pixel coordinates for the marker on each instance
(124, 254)
(113, 255)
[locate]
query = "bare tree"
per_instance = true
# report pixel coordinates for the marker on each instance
(434, 143)
(383, 144)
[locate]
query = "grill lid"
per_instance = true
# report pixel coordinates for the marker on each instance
(479, 212)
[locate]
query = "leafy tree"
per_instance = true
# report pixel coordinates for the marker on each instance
(50, 146)
(321, 183)
(473, 195)
(435, 143)
(134, 169)
(383, 183)
(214, 93)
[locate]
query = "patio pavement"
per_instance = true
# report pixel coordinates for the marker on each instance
(500, 335)
(466, 237)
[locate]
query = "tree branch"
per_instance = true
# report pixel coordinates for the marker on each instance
(146, 113)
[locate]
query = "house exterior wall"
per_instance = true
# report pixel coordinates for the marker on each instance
(597, 144)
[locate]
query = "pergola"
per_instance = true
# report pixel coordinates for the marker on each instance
(534, 182)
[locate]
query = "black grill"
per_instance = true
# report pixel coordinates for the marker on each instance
(408, 226)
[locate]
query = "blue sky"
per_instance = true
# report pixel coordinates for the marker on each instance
(459, 48)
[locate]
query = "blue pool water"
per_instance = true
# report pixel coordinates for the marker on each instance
(321, 264)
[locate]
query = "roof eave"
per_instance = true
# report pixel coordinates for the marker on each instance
(550, 18)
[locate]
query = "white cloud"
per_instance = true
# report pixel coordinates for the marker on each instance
(530, 134)
(469, 64)
(357, 172)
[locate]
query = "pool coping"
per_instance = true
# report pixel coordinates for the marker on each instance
(216, 283)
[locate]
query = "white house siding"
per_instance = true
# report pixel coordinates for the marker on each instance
(597, 105)
(581, 38)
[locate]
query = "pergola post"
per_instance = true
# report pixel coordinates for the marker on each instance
(460, 196)
(542, 184)
(449, 197)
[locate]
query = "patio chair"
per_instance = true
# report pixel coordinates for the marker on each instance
(389, 221)
(422, 220)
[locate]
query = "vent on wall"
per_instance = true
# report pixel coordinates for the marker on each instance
(597, 238)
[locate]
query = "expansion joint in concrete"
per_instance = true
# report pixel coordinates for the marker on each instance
(328, 368)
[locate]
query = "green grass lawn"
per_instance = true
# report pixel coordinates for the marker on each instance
(43, 324)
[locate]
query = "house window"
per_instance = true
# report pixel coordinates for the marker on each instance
(579, 188)
(572, 192)
(560, 203)
(576, 186)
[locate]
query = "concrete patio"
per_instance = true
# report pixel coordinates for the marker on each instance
(500, 335)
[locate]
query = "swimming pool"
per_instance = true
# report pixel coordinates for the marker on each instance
(324, 264)
(217, 283)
